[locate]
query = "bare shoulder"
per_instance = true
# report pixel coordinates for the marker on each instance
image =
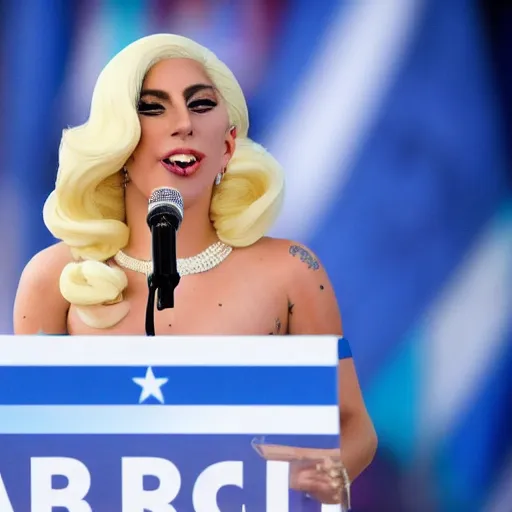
(294, 260)
(39, 305)
(312, 303)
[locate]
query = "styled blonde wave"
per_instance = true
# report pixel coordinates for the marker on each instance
(86, 209)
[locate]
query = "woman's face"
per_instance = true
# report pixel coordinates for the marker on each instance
(185, 134)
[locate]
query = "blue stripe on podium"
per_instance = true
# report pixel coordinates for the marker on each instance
(185, 385)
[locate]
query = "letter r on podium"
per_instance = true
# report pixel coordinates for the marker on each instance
(136, 498)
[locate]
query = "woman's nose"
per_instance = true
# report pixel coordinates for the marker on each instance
(181, 123)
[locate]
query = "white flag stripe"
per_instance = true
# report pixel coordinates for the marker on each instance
(169, 351)
(158, 419)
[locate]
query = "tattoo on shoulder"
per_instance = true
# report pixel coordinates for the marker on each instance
(305, 256)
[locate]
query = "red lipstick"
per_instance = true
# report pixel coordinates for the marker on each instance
(184, 166)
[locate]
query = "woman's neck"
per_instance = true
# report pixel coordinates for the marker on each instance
(195, 234)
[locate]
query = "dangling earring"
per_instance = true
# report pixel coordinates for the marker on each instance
(218, 178)
(126, 177)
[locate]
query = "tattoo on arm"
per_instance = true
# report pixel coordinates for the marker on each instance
(290, 308)
(305, 257)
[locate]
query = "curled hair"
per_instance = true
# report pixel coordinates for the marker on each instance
(87, 211)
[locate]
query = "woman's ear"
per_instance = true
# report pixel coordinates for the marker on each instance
(230, 145)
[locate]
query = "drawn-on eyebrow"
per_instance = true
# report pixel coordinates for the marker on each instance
(193, 89)
(187, 93)
(157, 93)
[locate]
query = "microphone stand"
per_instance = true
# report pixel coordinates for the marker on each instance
(150, 308)
(165, 277)
(165, 287)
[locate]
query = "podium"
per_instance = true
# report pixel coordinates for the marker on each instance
(166, 424)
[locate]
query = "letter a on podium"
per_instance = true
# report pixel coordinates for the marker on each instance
(199, 424)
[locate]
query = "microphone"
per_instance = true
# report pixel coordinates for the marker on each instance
(165, 214)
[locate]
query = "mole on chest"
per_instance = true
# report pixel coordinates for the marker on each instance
(199, 310)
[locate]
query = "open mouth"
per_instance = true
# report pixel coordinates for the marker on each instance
(181, 164)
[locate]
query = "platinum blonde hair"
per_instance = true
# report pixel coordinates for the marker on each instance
(87, 211)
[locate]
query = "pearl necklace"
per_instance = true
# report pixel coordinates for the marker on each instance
(206, 260)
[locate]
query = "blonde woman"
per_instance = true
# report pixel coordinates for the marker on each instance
(167, 112)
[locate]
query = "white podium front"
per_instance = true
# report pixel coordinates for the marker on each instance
(181, 424)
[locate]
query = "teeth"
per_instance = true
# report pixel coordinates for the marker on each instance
(186, 159)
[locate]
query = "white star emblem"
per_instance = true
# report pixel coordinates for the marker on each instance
(150, 386)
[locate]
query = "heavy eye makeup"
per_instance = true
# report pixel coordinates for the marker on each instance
(150, 109)
(199, 106)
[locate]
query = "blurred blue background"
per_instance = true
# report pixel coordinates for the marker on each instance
(392, 121)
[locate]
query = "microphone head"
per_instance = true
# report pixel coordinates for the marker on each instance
(165, 200)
